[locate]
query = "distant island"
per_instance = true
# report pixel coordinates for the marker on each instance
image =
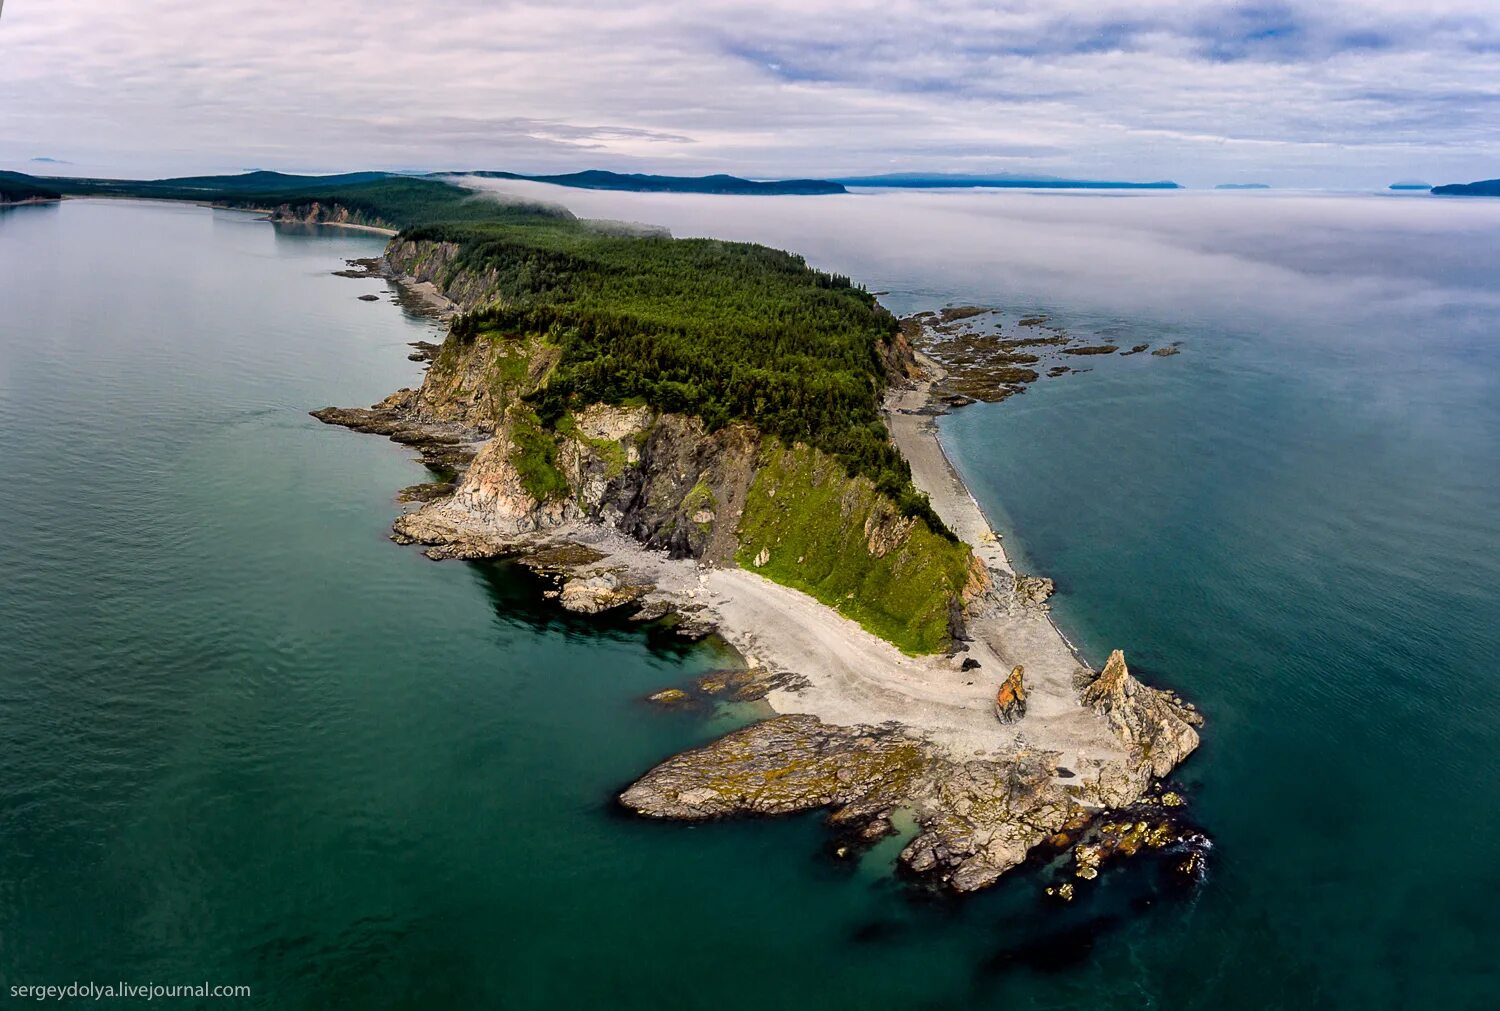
(1483, 188)
(641, 183)
(940, 180)
(1243, 186)
(1410, 184)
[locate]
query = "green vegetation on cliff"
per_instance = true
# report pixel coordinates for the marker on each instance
(726, 331)
(843, 543)
(535, 456)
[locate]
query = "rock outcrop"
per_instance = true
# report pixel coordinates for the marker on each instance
(1155, 724)
(977, 819)
(1010, 700)
(1033, 590)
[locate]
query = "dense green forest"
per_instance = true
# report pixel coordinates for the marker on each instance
(727, 331)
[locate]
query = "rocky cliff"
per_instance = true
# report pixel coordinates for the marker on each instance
(316, 212)
(724, 497)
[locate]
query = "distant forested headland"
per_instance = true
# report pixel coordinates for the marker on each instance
(16, 188)
(636, 182)
(1483, 188)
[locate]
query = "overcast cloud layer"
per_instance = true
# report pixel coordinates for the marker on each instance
(1330, 93)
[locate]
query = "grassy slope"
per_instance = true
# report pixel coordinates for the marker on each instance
(812, 522)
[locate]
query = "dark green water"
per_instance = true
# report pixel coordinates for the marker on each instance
(244, 738)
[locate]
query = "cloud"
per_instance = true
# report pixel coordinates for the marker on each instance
(1289, 91)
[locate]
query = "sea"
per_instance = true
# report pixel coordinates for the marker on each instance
(247, 741)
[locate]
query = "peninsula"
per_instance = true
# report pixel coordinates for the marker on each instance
(716, 436)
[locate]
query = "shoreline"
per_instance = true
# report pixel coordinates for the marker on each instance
(933, 374)
(990, 769)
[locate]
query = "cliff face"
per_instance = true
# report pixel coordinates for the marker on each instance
(434, 262)
(315, 212)
(731, 496)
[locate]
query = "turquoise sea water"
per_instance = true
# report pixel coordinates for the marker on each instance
(244, 738)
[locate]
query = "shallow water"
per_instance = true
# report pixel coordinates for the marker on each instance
(249, 740)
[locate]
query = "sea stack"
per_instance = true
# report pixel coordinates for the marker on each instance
(1010, 700)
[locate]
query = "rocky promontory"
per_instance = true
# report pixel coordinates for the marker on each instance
(977, 818)
(984, 724)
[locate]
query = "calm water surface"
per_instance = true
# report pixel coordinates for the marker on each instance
(246, 739)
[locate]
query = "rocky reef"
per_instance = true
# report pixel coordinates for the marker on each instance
(977, 818)
(990, 354)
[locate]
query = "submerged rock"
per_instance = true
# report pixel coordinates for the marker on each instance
(669, 697)
(1170, 349)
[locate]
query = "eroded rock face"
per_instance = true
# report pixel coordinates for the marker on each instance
(1155, 724)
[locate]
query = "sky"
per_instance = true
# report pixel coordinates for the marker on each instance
(1317, 93)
